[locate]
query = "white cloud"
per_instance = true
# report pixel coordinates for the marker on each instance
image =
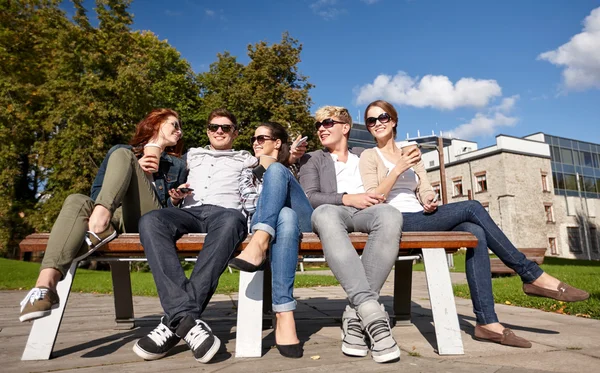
(210, 12)
(507, 104)
(487, 124)
(580, 56)
(435, 91)
(369, 2)
(326, 9)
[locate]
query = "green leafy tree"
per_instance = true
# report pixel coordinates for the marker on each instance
(269, 88)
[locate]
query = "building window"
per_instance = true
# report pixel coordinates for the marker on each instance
(486, 206)
(457, 189)
(549, 213)
(481, 182)
(594, 239)
(574, 239)
(545, 182)
(552, 245)
(431, 163)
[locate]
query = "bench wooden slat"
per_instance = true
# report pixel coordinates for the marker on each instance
(190, 244)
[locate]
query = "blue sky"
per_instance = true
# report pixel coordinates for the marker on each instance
(475, 69)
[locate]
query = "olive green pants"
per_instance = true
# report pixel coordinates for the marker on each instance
(125, 184)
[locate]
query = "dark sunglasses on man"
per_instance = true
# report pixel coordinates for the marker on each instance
(212, 127)
(382, 118)
(327, 123)
(261, 139)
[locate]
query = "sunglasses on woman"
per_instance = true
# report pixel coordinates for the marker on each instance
(382, 118)
(212, 127)
(327, 123)
(261, 139)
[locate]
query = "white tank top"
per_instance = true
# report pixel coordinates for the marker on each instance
(402, 196)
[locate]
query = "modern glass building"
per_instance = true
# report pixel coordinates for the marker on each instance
(573, 161)
(360, 136)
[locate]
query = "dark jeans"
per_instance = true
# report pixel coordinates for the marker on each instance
(160, 229)
(470, 216)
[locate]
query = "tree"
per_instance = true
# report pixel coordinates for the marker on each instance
(72, 91)
(269, 88)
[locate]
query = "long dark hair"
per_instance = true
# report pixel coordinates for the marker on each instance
(278, 132)
(149, 126)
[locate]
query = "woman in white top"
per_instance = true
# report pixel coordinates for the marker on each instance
(402, 179)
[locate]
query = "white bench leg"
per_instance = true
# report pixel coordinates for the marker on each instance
(441, 297)
(248, 342)
(45, 330)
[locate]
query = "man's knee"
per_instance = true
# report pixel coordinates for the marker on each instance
(150, 222)
(387, 217)
(325, 215)
(233, 219)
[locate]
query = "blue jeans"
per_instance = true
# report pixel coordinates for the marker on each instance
(470, 216)
(283, 211)
(160, 229)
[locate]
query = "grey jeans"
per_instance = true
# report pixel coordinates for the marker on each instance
(124, 183)
(361, 278)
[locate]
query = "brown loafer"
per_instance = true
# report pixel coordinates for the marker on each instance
(564, 292)
(507, 337)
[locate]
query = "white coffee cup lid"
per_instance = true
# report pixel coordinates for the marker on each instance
(151, 145)
(408, 143)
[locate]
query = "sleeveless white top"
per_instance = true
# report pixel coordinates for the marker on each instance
(402, 196)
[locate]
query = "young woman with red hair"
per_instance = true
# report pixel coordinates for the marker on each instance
(128, 184)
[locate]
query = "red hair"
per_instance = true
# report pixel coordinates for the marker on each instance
(149, 127)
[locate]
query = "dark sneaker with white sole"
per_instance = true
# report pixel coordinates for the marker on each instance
(39, 302)
(353, 336)
(156, 344)
(199, 337)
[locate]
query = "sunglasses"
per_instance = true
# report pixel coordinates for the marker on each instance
(224, 127)
(177, 126)
(261, 139)
(382, 118)
(327, 123)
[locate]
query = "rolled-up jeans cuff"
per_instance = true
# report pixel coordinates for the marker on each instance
(290, 306)
(264, 227)
(532, 275)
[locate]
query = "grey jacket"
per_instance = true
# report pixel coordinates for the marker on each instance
(318, 179)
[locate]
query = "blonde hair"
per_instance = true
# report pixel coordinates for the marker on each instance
(339, 112)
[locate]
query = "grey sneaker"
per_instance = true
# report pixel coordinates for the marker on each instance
(353, 336)
(39, 302)
(375, 321)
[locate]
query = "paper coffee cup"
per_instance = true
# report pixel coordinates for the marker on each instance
(408, 147)
(153, 149)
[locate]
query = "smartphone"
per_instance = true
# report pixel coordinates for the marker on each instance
(302, 140)
(185, 190)
(435, 198)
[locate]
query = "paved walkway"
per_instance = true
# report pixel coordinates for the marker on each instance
(88, 341)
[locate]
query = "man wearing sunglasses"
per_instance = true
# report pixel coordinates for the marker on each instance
(332, 182)
(217, 191)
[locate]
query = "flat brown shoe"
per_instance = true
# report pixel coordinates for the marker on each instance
(564, 292)
(507, 337)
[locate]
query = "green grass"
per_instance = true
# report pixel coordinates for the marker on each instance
(582, 274)
(19, 275)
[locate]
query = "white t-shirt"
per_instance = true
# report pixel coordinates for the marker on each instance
(347, 175)
(402, 196)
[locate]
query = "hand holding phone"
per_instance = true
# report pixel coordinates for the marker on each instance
(301, 141)
(435, 199)
(185, 190)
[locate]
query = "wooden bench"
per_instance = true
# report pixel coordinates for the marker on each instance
(433, 246)
(534, 254)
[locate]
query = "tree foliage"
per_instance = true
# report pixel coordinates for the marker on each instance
(69, 90)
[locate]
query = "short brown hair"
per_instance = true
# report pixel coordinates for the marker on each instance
(222, 112)
(388, 108)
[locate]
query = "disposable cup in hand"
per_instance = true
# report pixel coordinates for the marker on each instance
(408, 147)
(155, 150)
